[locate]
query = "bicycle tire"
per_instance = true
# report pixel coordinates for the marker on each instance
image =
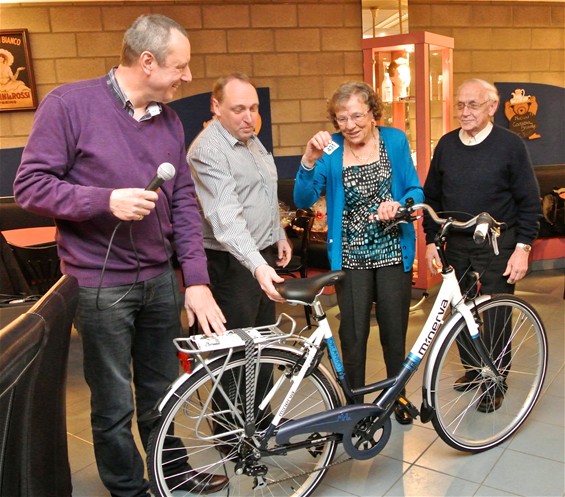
(294, 474)
(457, 419)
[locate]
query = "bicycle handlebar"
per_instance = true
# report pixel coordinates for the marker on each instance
(482, 218)
(484, 223)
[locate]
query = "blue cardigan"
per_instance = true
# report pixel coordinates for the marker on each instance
(328, 175)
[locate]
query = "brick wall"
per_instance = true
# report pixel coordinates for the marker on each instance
(498, 41)
(301, 50)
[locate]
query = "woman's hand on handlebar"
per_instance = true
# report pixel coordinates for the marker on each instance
(387, 210)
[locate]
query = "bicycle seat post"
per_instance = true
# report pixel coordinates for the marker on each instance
(318, 312)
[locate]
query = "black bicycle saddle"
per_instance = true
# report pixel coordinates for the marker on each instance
(305, 290)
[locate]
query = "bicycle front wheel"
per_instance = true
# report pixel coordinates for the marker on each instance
(484, 411)
(198, 423)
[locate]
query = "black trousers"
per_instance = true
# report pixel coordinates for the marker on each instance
(237, 292)
(390, 289)
(465, 255)
(244, 304)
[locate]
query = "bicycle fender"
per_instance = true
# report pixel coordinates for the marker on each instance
(439, 340)
(173, 387)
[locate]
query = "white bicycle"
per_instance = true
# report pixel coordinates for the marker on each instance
(267, 408)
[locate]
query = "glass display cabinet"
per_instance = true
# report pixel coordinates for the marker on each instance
(413, 74)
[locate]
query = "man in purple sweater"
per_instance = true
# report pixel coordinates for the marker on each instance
(94, 147)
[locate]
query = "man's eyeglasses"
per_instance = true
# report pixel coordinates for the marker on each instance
(470, 105)
(357, 118)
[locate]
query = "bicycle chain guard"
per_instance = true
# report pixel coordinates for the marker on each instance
(357, 423)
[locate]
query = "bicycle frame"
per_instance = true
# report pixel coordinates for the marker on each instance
(312, 345)
(343, 419)
(449, 300)
(430, 338)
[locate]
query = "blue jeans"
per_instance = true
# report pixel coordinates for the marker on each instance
(128, 342)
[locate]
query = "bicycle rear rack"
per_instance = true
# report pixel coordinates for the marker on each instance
(231, 339)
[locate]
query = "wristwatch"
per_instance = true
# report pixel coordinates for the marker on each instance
(524, 246)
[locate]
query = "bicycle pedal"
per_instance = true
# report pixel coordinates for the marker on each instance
(408, 406)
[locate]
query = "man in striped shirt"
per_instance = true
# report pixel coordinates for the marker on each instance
(236, 184)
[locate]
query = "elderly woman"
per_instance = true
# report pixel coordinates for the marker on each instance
(366, 179)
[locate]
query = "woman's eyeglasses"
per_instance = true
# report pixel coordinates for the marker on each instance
(357, 118)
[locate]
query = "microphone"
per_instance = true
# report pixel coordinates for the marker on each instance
(165, 172)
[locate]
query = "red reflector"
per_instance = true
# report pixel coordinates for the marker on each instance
(185, 361)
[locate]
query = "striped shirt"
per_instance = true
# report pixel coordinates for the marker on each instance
(236, 184)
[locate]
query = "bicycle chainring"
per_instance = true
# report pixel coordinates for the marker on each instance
(368, 437)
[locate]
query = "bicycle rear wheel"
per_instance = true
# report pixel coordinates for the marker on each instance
(469, 418)
(204, 431)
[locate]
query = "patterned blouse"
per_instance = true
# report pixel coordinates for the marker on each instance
(366, 244)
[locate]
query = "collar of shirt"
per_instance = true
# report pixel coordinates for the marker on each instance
(232, 140)
(467, 139)
(153, 109)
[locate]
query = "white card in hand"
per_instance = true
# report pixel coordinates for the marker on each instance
(331, 147)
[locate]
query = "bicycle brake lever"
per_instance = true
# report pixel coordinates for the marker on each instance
(494, 239)
(393, 225)
(402, 221)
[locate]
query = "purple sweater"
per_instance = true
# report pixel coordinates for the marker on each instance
(82, 146)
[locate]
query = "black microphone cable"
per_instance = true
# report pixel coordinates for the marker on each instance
(174, 284)
(138, 267)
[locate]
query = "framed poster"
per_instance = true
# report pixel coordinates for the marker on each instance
(17, 86)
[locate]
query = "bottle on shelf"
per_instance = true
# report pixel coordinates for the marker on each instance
(386, 88)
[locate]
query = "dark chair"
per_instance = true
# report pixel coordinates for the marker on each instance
(285, 192)
(39, 265)
(33, 368)
(300, 227)
(13, 284)
(12, 216)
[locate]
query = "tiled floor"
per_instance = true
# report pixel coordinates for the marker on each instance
(415, 462)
